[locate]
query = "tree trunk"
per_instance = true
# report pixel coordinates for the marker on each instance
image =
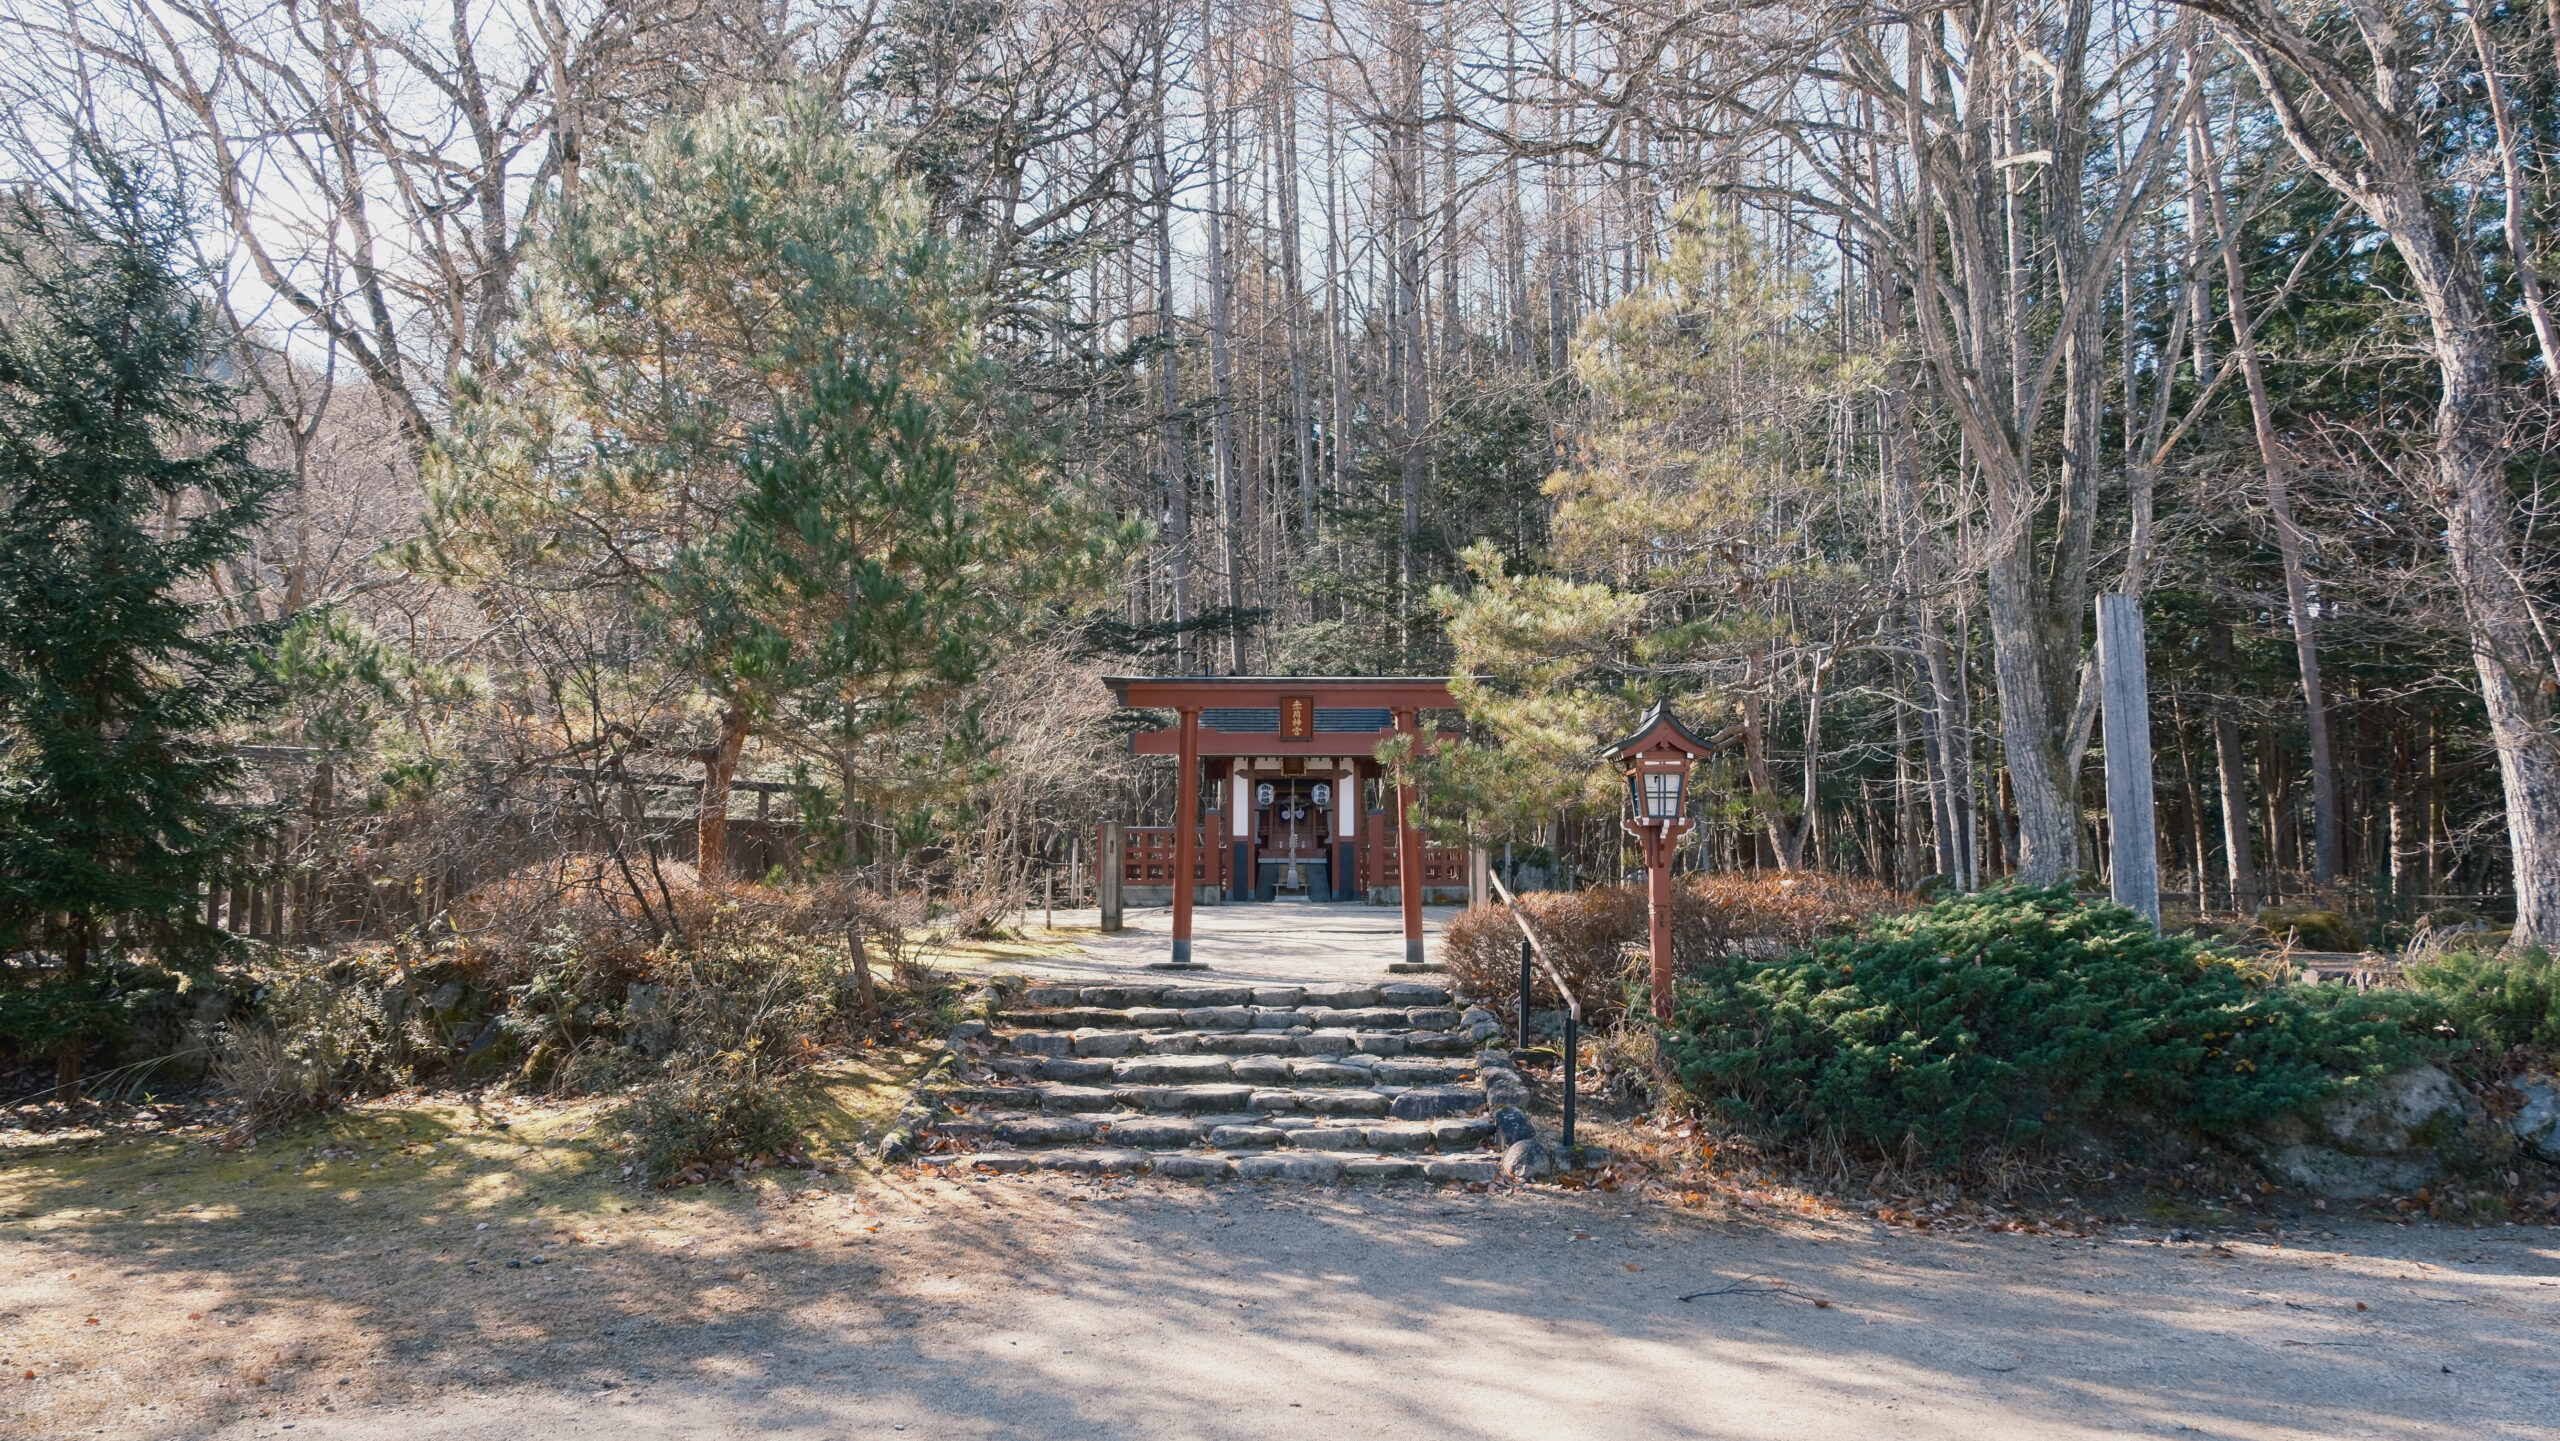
(1177, 478)
(711, 817)
(1222, 441)
(2297, 581)
(2393, 182)
(1784, 839)
(864, 993)
(75, 970)
(2241, 865)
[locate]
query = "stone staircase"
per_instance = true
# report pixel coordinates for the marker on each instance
(1301, 1083)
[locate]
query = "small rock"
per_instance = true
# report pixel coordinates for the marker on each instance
(1261, 1070)
(1218, 1018)
(1431, 1103)
(1460, 1134)
(1152, 1134)
(1528, 1160)
(1186, 997)
(1327, 1073)
(1289, 1166)
(1404, 1137)
(1095, 1162)
(1071, 1100)
(1247, 1138)
(1513, 1125)
(1325, 1138)
(2538, 1123)
(1345, 1103)
(1043, 1131)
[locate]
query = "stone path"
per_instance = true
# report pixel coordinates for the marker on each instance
(1222, 1082)
(1280, 943)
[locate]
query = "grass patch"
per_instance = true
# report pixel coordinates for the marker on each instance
(375, 1243)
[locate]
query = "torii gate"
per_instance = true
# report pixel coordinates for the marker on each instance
(1297, 754)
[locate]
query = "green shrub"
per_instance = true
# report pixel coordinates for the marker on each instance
(1997, 1016)
(2310, 928)
(704, 1117)
(2500, 1000)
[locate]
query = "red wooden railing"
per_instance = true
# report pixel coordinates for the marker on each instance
(1146, 856)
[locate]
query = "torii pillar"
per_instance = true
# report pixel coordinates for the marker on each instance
(1409, 841)
(1186, 839)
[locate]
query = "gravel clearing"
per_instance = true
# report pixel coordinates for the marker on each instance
(1045, 1306)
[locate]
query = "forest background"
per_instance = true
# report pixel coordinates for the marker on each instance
(1811, 365)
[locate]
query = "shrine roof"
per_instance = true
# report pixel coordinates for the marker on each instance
(1263, 693)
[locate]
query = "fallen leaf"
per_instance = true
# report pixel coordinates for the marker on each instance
(1632, 1266)
(2362, 1306)
(1821, 1305)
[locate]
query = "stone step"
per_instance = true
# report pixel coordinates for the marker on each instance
(1232, 1018)
(1092, 1041)
(1229, 1133)
(1412, 1103)
(1304, 1166)
(1178, 997)
(1274, 1070)
(1310, 1083)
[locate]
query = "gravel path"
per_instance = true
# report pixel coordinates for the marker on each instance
(1041, 1307)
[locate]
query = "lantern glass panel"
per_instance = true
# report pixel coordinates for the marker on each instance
(1662, 795)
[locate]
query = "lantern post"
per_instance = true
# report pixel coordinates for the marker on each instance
(1656, 761)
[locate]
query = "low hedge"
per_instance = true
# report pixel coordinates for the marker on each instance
(1587, 933)
(2001, 1016)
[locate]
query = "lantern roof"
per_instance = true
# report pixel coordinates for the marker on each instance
(1660, 730)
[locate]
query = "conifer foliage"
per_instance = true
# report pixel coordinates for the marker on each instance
(126, 478)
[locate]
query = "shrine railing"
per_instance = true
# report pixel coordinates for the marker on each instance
(1146, 856)
(1381, 864)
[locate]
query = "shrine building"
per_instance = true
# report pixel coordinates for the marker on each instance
(1280, 779)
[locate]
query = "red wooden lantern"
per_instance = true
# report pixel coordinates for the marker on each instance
(1656, 760)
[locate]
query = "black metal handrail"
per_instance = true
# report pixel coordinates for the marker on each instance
(1530, 946)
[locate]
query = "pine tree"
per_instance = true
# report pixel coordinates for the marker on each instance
(125, 478)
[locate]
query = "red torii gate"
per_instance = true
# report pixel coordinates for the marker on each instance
(1279, 732)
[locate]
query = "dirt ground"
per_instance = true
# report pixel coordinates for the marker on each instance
(435, 1276)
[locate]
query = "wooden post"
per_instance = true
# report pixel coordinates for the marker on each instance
(1409, 846)
(1658, 841)
(2125, 709)
(1479, 894)
(1186, 837)
(1107, 864)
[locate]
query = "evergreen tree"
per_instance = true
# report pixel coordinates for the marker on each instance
(125, 479)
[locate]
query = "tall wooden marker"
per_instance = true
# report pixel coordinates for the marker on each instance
(2133, 844)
